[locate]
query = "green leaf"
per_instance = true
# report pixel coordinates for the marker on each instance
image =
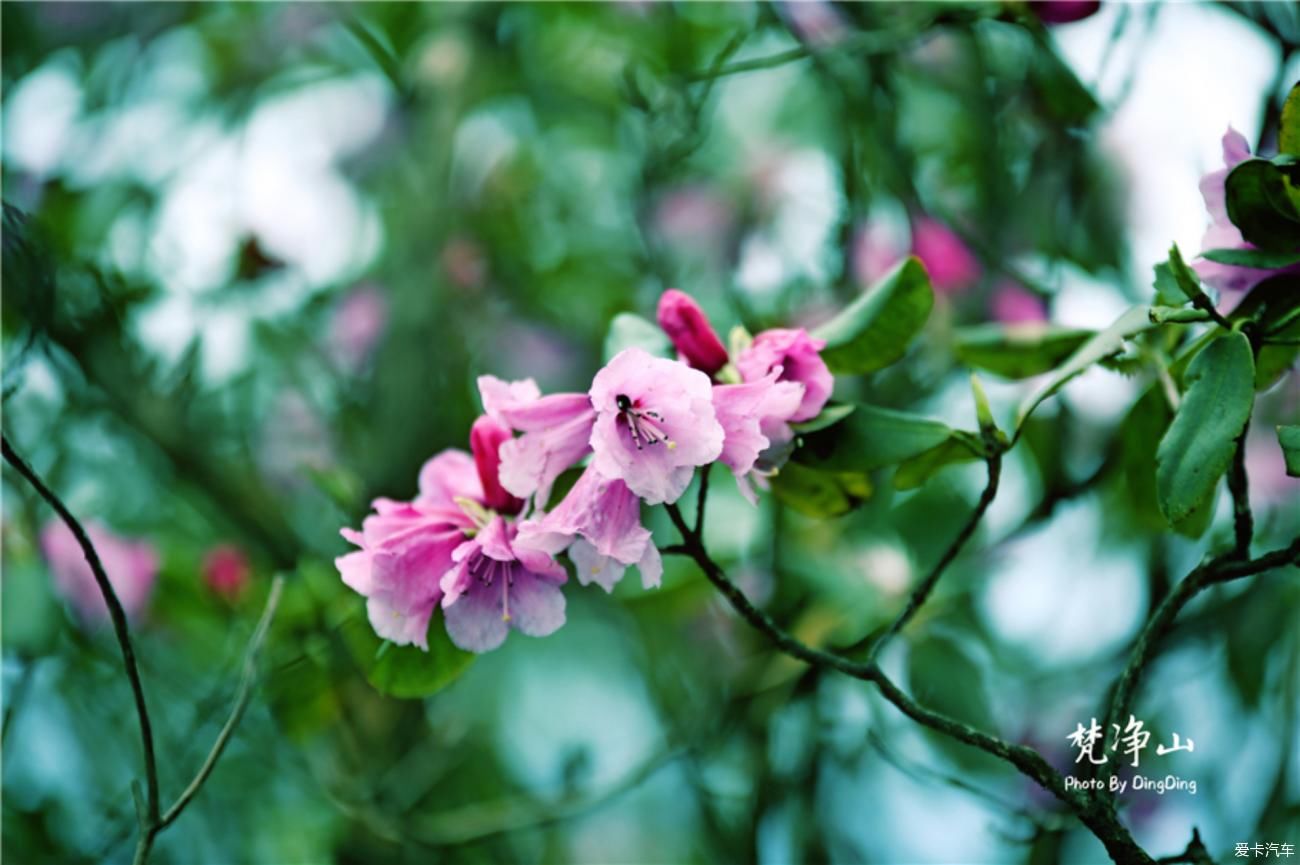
(629, 330)
(820, 493)
(875, 330)
(1288, 136)
(871, 438)
(1289, 438)
(1168, 292)
(945, 678)
(832, 414)
(1017, 351)
(914, 472)
(405, 671)
(1256, 258)
(1185, 278)
(1102, 345)
(1262, 204)
(1197, 448)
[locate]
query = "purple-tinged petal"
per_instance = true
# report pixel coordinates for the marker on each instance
(448, 476)
(536, 605)
(556, 431)
(796, 355)
(475, 622)
(745, 409)
(401, 627)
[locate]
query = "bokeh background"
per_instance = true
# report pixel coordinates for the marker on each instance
(256, 254)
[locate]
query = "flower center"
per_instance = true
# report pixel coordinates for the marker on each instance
(486, 570)
(645, 425)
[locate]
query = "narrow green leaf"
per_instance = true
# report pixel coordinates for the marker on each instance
(871, 438)
(914, 472)
(875, 330)
(1197, 448)
(1186, 279)
(1256, 258)
(1102, 345)
(832, 414)
(1288, 136)
(1289, 438)
(1017, 351)
(629, 330)
(818, 493)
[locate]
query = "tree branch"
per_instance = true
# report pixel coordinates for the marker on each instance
(1239, 486)
(116, 614)
(922, 592)
(1099, 818)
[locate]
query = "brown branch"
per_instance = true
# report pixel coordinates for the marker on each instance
(1100, 819)
(922, 592)
(116, 614)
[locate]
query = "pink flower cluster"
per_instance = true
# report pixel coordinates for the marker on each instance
(481, 539)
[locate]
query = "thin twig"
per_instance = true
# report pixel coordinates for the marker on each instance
(701, 498)
(922, 592)
(1100, 819)
(116, 614)
(1239, 486)
(236, 712)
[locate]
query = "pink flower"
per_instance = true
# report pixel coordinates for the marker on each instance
(875, 251)
(795, 354)
(556, 433)
(131, 566)
(949, 262)
(599, 523)
(357, 324)
(690, 331)
(406, 547)
(753, 417)
(486, 437)
(655, 423)
(495, 586)
(1063, 11)
(1222, 234)
(226, 570)
(1013, 304)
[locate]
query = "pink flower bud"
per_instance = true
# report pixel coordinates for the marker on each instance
(951, 265)
(226, 571)
(1063, 11)
(1013, 304)
(689, 329)
(485, 439)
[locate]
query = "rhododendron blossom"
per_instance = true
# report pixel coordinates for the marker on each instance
(556, 433)
(655, 423)
(226, 570)
(599, 523)
(753, 417)
(1222, 233)
(950, 263)
(795, 355)
(494, 586)
(131, 566)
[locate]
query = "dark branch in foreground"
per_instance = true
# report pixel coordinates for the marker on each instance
(115, 612)
(152, 820)
(1097, 816)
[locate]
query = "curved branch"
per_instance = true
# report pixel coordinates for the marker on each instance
(1099, 819)
(115, 612)
(922, 592)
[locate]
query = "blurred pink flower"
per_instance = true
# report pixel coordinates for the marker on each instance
(655, 423)
(226, 570)
(1270, 485)
(494, 586)
(1012, 303)
(690, 331)
(796, 356)
(599, 523)
(359, 321)
(463, 262)
(694, 216)
(1222, 234)
(947, 259)
(1063, 11)
(876, 250)
(815, 22)
(131, 566)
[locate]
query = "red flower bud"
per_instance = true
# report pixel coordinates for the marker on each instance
(689, 329)
(485, 439)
